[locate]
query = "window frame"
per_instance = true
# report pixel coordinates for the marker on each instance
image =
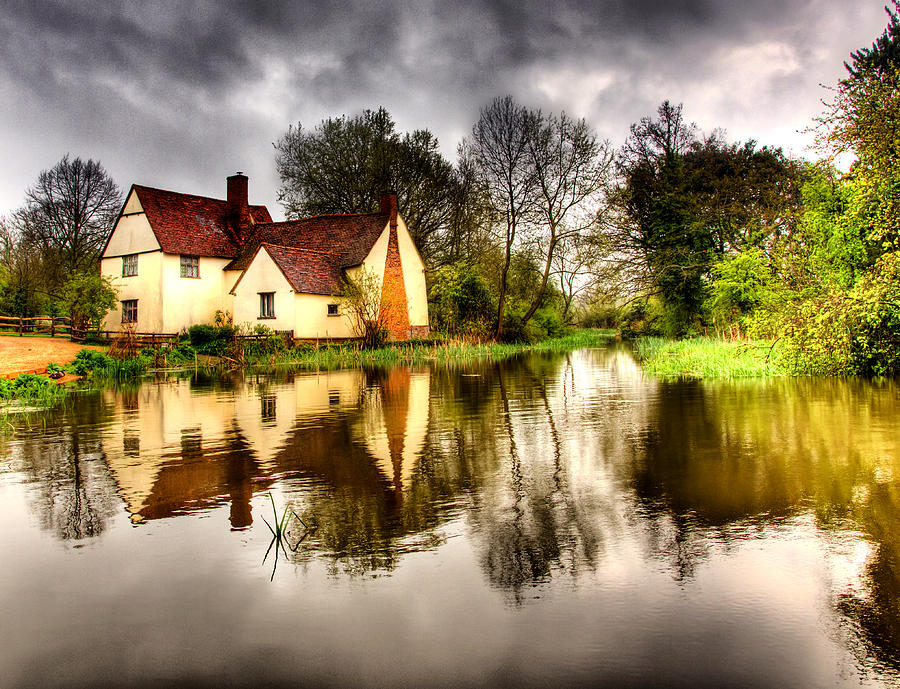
(334, 310)
(189, 264)
(129, 265)
(129, 308)
(266, 299)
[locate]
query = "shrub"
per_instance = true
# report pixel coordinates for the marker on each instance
(549, 322)
(86, 360)
(211, 339)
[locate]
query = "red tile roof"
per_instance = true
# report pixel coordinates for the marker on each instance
(195, 225)
(351, 237)
(309, 272)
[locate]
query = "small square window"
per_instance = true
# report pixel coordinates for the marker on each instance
(333, 310)
(267, 304)
(190, 266)
(129, 311)
(129, 265)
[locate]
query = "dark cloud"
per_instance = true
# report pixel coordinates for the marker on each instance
(180, 94)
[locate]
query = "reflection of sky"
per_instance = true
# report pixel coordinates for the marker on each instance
(558, 519)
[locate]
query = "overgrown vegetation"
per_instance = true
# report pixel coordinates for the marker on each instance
(30, 390)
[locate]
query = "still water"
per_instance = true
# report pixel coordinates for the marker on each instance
(558, 520)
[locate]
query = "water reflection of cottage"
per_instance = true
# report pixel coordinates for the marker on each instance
(172, 448)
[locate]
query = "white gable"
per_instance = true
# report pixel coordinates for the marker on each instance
(132, 233)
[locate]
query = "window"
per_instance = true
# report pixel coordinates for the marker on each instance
(190, 266)
(129, 265)
(267, 304)
(332, 309)
(267, 407)
(129, 311)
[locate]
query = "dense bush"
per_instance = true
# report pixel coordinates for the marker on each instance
(211, 339)
(461, 302)
(847, 333)
(87, 360)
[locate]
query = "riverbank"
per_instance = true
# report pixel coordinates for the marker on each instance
(337, 356)
(705, 357)
(32, 354)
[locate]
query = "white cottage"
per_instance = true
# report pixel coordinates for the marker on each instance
(176, 259)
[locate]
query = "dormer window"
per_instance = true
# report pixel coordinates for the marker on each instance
(129, 265)
(190, 266)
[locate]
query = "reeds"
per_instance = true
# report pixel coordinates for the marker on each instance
(281, 534)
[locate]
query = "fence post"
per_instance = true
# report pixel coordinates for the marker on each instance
(52, 326)
(21, 326)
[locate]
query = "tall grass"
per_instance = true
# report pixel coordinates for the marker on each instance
(29, 392)
(705, 357)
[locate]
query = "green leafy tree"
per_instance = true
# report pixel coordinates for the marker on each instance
(656, 231)
(741, 283)
(88, 297)
(684, 204)
(344, 164)
(883, 58)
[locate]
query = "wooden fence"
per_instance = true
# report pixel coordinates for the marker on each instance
(107, 336)
(37, 325)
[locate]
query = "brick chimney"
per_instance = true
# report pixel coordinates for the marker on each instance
(389, 206)
(238, 213)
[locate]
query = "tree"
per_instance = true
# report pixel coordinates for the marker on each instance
(361, 304)
(68, 215)
(24, 271)
(571, 168)
(88, 297)
(684, 203)
(656, 231)
(883, 58)
(344, 164)
(497, 151)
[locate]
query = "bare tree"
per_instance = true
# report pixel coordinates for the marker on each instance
(498, 152)
(571, 168)
(69, 213)
(365, 307)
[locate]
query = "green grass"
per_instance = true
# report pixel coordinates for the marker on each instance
(705, 357)
(350, 355)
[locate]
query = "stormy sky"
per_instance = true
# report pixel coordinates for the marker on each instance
(179, 95)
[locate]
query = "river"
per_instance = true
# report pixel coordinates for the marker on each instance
(553, 520)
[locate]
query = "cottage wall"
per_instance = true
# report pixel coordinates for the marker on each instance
(189, 301)
(263, 275)
(314, 323)
(146, 287)
(414, 279)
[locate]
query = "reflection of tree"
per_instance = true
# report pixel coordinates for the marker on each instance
(76, 495)
(876, 613)
(542, 529)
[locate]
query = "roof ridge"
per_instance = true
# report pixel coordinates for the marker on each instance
(328, 215)
(299, 248)
(197, 196)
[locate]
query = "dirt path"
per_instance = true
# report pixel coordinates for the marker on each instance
(32, 354)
